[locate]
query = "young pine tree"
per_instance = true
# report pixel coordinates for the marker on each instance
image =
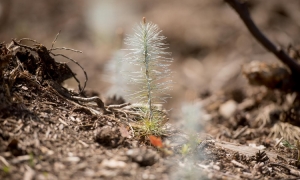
(147, 52)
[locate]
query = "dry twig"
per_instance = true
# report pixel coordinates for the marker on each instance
(240, 132)
(81, 89)
(242, 10)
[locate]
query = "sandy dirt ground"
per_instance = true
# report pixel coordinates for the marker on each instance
(240, 131)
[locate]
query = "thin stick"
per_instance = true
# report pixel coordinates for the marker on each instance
(278, 142)
(54, 41)
(64, 48)
(90, 99)
(81, 89)
(118, 105)
(21, 45)
(243, 12)
(28, 39)
(4, 161)
(240, 132)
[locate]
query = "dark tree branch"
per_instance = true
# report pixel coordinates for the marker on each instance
(242, 10)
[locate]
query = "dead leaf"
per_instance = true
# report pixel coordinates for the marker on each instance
(156, 141)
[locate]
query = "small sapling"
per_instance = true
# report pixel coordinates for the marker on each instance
(151, 79)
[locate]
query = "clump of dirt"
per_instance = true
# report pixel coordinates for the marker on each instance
(109, 136)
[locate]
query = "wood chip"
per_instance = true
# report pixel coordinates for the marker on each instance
(239, 164)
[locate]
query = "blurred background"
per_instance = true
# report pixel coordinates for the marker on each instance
(208, 41)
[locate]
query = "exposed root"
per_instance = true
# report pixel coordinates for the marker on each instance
(34, 65)
(81, 89)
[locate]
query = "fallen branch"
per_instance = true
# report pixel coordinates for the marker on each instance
(242, 10)
(290, 170)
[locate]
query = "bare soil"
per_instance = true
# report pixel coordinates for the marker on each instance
(48, 131)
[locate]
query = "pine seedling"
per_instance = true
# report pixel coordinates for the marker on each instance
(114, 68)
(147, 53)
(113, 74)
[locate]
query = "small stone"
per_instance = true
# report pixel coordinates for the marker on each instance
(108, 136)
(73, 159)
(228, 108)
(89, 172)
(113, 164)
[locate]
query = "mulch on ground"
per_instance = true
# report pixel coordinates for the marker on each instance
(50, 132)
